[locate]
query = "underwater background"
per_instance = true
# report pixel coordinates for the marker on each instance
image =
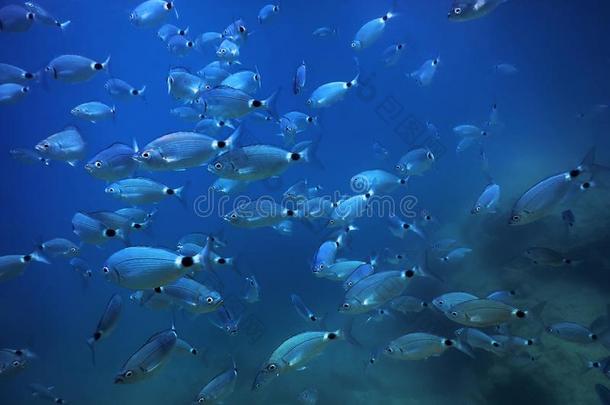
(550, 118)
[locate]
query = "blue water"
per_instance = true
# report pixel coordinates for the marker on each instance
(549, 118)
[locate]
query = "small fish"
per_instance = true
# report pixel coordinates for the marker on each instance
(392, 54)
(371, 31)
(505, 296)
(168, 30)
(408, 304)
(15, 18)
(228, 51)
(213, 126)
(28, 156)
(187, 113)
(66, 146)
(361, 272)
(44, 17)
(462, 10)
(227, 103)
(447, 301)
(380, 152)
(12, 92)
(421, 346)
(301, 191)
(140, 190)
(350, 209)
(468, 134)
(293, 354)
(253, 292)
(483, 313)
(219, 387)
(59, 247)
(75, 68)
(340, 270)
(81, 267)
(229, 186)
(191, 295)
(456, 255)
(380, 315)
(94, 111)
(106, 323)
(236, 31)
(300, 78)
(488, 200)
(415, 162)
(142, 268)
(268, 13)
(331, 93)
(12, 266)
(224, 319)
(179, 45)
(45, 393)
(303, 310)
(506, 69)
(96, 230)
(572, 332)
(13, 361)
(324, 32)
(401, 229)
(547, 257)
(208, 39)
(245, 80)
(183, 85)
(14, 74)
(151, 356)
(122, 90)
(425, 74)
(380, 181)
(151, 13)
(113, 163)
(259, 213)
(479, 340)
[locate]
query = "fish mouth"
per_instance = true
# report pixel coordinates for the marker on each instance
(89, 168)
(119, 380)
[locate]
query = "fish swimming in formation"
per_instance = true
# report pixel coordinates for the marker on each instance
(465, 10)
(107, 322)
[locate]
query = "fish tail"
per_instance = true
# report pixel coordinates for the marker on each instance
(37, 256)
(346, 332)
(464, 348)
(231, 141)
(310, 153)
(270, 102)
(91, 344)
(106, 63)
(64, 25)
(180, 193)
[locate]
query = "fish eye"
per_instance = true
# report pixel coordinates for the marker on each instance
(201, 400)
(105, 269)
(73, 250)
(430, 156)
(276, 8)
(218, 165)
(516, 218)
(398, 167)
(16, 363)
(389, 349)
(345, 305)
(110, 190)
(46, 145)
(242, 29)
(223, 51)
(271, 367)
(146, 155)
(233, 216)
(457, 10)
(399, 46)
(208, 87)
(209, 300)
(256, 77)
(332, 222)
(98, 164)
(441, 302)
(128, 373)
(25, 89)
(477, 209)
(454, 314)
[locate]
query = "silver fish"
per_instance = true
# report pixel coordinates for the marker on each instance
(268, 13)
(113, 163)
(66, 146)
(75, 68)
(426, 72)
(151, 13)
(95, 231)
(15, 18)
(415, 162)
(106, 323)
(12, 266)
(371, 31)
(421, 346)
(140, 190)
(13, 361)
(59, 247)
(122, 90)
(12, 92)
(303, 310)
(219, 387)
(375, 290)
(46, 393)
(472, 9)
(300, 78)
(94, 111)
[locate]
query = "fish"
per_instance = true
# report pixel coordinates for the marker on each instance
(371, 31)
(350, 209)
(426, 72)
(253, 292)
(183, 150)
(456, 254)
(258, 162)
(120, 89)
(572, 332)
(66, 146)
(151, 13)
(229, 186)
(179, 45)
(487, 202)
(324, 32)
(358, 274)
(15, 18)
(59, 247)
(267, 13)
(421, 346)
(191, 295)
(208, 39)
(142, 268)
(247, 81)
(259, 213)
(75, 68)
(187, 113)
(300, 78)
(228, 51)
(401, 229)
(224, 319)
(94, 111)
(236, 31)
(340, 270)
(293, 354)
(506, 69)
(219, 388)
(12, 266)
(45, 393)
(12, 92)
(326, 254)
(375, 290)
(301, 191)
(140, 190)
(408, 304)
(392, 54)
(446, 301)
(113, 163)
(331, 93)
(462, 10)
(44, 17)
(13, 361)
(545, 196)
(213, 126)
(547, 257)
(505, 296)
(107, 322)
(380, 181)
(151, 356)
(81, 267)
(415, 162)
(468, 134)
(168, 30)
(96, 230)
(213, 74)
(479, 340)
(183, 85)
(215, 240)
(304, 311)
(224, 102)
(483, 313)
(28, 156)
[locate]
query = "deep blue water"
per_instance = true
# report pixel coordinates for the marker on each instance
(550, 113)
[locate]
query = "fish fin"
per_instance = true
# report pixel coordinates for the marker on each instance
(37, 256)
(270, 102)
(91, 344)
(73, 163)
(186, 347)
(309, 153)
(231, 141)
(464, 348)
(64, 25)
(347, 333)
